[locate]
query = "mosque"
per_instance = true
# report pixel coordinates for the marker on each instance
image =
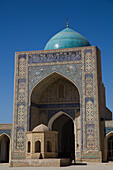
(60, 111)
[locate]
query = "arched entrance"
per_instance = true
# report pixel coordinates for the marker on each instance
(51, 96)
(4, 148)
(66, 140)
(110, 148)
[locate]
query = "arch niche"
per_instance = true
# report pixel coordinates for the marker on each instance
(64, 125)
(4, 148)
(57, 95)
(109, 146)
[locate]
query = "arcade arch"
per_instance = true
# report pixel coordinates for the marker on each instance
(63, 124)
(56, 115)
(48, 107)
(109, 147)
(4, 148)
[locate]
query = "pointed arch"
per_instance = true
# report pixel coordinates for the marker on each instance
(52, 77)
(64, 125)
(5, 148)
(37, 146)
(45, 96)
(6, 135)
(55, 117)
(107, 137)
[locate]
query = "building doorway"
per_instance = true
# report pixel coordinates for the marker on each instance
(4, 148)
(51, 96)
(110, 148)
(66, 140)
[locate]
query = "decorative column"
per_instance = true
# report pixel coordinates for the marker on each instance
(91, 146)
(20, 108)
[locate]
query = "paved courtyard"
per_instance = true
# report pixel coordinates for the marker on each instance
(73, 167)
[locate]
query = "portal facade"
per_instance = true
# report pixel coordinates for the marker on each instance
(61, 87)
(53, 81)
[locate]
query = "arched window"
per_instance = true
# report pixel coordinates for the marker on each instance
(29, 146)
(49, 146)
(110, 148)
(38, 146)
(61, 90)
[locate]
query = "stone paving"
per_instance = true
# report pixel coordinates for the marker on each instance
(90, 166)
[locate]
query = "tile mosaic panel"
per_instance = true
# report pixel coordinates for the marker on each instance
(21, 113)
(109, 123)
(78, 155)
(22, 56)
(21, 89)
(90, 95)
(90, 137)
(91, 155)
(89, 109)
(54, 57)
(88, 60)
(18, 155)
(20, 138)
(88, 155)
(89, 85)
(5, 126)
(22, 66)
(18, 142)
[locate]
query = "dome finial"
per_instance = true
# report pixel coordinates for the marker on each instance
(67, 22)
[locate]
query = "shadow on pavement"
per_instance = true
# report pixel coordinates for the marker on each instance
(81, 163)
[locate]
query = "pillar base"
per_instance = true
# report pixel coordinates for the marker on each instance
(88, 156)
(40, 162)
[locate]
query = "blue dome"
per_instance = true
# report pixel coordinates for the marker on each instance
(67, 38)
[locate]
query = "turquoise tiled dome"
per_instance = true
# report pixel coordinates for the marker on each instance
(67, 38)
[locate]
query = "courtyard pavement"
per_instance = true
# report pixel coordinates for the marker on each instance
(90, 166)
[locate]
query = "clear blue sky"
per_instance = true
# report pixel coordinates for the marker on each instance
(28, 25)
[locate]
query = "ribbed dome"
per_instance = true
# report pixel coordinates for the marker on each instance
(40, 128)
(67, 38)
